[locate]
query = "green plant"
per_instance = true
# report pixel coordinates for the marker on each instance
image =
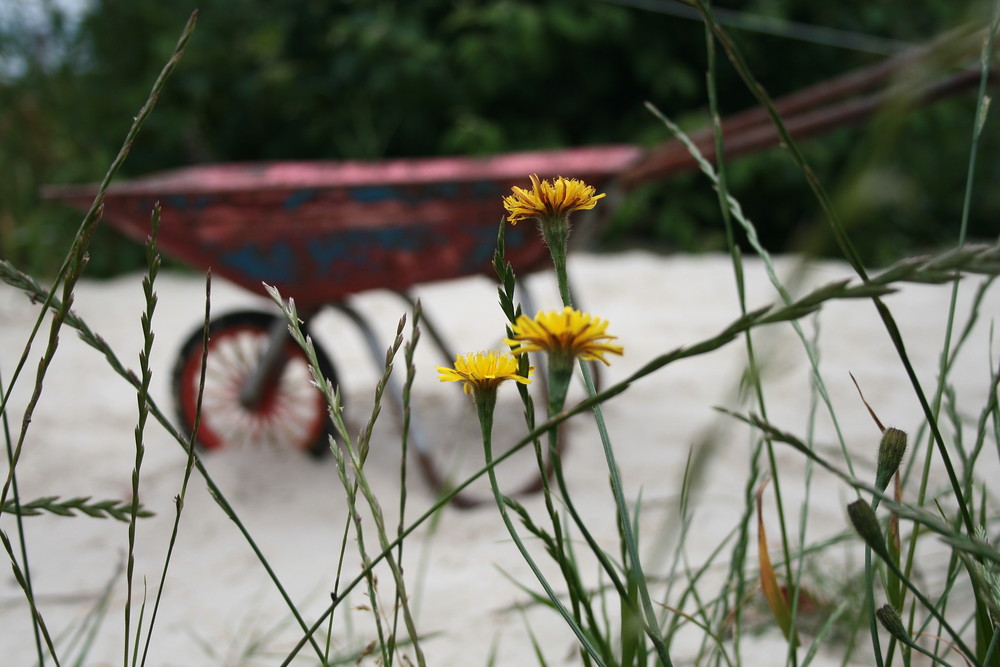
(634, 614)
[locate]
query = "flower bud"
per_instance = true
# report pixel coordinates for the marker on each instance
(890, 455)
(863, 518)
(891, 621)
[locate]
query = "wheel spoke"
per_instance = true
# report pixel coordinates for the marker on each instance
(290, 413)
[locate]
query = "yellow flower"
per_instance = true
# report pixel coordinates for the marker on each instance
(568, 334)
(549, 200)
(483, 370)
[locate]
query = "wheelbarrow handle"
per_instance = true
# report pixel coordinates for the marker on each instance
(814, 110)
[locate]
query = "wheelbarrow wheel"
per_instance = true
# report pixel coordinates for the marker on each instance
(290, 412)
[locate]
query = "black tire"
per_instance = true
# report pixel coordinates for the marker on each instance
(293, 413)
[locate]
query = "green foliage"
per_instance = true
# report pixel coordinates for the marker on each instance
(641, 629)
(279, 79)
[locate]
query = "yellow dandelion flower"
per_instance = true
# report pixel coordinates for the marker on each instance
(550, 200)
(483, 370)
(568, 334)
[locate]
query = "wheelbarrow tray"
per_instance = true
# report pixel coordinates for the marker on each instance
(321, 230)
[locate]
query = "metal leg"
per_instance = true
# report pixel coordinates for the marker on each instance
(417, 437)
(428, 325)
(394, 392)
(268, 367)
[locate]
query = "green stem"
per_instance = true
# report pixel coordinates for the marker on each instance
(870, 606)
(630, 540)
(562, 277)
(19, 521)
(188, 468)
(485, 403)
(848, 248)
(558, 382)
(652, 631)
(944, 364)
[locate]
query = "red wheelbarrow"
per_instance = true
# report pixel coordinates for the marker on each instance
(321, 231)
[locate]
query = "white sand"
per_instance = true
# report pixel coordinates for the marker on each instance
(219, 607)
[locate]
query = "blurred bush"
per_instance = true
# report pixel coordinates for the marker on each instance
(276, 79)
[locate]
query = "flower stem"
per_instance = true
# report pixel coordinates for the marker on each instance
(555, 407)
(558, 250)
(485, 403)
(556, 235)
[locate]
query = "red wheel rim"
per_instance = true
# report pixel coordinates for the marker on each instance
(291, 413)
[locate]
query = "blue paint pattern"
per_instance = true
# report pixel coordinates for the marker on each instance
(338, 255)
(275, 264)
(374, 193)
(298, 198)
(188, 202)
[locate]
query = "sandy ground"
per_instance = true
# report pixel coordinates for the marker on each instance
(219, 607)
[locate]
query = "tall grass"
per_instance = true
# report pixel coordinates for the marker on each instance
(621, 607)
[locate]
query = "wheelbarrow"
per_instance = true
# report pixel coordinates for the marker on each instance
(322, 231)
